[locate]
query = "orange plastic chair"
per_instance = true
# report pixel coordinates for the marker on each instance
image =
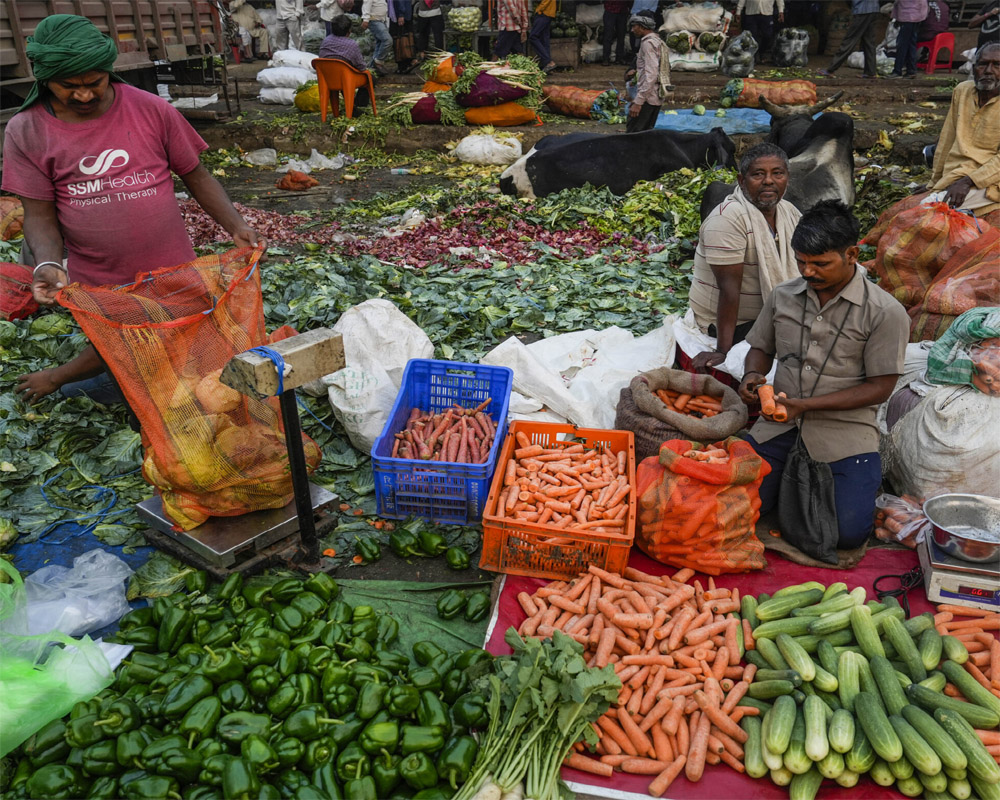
(335, 75)
(943, 41)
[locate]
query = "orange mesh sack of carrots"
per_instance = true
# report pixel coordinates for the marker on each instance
(781, 93)
(209, 450)
(665, 404)
(698, 506)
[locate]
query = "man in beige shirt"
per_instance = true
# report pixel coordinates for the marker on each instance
(744, 250)
(967, 158)
(645, 107)
(839, 343)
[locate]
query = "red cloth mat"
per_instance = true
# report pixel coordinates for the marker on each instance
(720, 781)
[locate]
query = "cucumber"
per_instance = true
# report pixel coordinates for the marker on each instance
(970, 688)
(748, 609)
(778, 675)
(959, 789)
(901, 677)
(840, 731)
(830, 698)
(830, 623)
(837, 603)
(930, 647)
(907, 649)
(916, 626)
(875, 724)
(847, 779)
(892, 693)
(918, 751)
(773, 761)
(951, 755)
(955, 774)
(798, 587)
(848, 677)
(934, 783)
(825, 681)
(805, 786)
(780, 606)
(831, 766)
(797, 658)
(861, 756)
(781, 720)
(781, 776)
(935, 681)
(865, 633)
(768, 690)
(867, 681)
(755, 658)
(954, 650)
(983, 789)
(751, 702)
(793, 626)
(753, 758)
(817, 745)
(977, 716)
(837, 588)
(807, 642)
(879, 617)
(827, 656)
(902, 769)
(771, 654)
(795, 759)
(763, 597)
(910, 787)
(981, 763)
(799, 696)
(881, 774)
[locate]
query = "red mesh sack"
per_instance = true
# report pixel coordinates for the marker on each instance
(882, 225)
(11, 218)
(698, 506)
(209, 450)
(570, 101)
(781, 93)
(16, 300)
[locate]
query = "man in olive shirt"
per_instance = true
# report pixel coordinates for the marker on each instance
(839, 342)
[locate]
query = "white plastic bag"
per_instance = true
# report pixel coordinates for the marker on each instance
(80, 599)
(378, 341)
(900, 520)
(738, 55)
(285, 77)
(480, 148)
(265, 157)
(316, 161)
(883, 63)
(292, 58)
(697, 18)
(276, 96)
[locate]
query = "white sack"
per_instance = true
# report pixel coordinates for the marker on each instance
(285, 77)
(590, 14)
(378, 341)
(277, 96)
(947, 443)
(692, 341)
(704, 17)
(578, 376)
(480, 148)
(292, 58)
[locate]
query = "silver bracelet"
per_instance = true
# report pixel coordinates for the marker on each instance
(56, 264)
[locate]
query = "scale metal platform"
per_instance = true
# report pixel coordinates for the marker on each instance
(951, 580)
(227, 541)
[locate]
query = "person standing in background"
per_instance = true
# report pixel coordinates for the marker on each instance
(864, 17)
(910, 14)
(616, 14)
(540, 35)
(428, 20)
(329, 10)
(758, 18)
(375, 18)
(645, 106)
(989, 20)
(646, 8)
(513, 22)
(289, 30)
(401, 30)
(937, 20)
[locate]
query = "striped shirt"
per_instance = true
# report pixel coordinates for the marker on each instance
(513, 15)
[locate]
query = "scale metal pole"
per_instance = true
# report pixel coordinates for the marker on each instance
(300, 475)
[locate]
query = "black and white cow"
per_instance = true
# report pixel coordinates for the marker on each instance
(820, 155)
(617, 161)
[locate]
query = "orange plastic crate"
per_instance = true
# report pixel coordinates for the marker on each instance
(545, 551)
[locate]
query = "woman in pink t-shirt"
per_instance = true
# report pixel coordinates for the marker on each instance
(91, 159)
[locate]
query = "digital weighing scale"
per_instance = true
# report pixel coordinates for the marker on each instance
(951, 580)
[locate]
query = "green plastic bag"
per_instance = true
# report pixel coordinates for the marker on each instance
(41, 677)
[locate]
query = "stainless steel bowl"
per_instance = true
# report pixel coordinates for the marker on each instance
(966, 526)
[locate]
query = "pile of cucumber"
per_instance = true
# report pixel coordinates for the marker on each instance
(847, 687)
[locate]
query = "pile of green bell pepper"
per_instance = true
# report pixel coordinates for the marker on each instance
(270, 690)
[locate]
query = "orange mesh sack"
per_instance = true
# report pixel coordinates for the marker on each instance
(698, 506)
(209, 450)
(570, 101)
(781, 93)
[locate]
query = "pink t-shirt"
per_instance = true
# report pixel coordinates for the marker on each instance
(111, 183)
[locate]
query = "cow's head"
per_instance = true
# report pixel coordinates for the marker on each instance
(721, 150)
(785, 112)
(515, 181)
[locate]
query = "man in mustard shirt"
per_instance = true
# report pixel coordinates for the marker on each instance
(541, 29)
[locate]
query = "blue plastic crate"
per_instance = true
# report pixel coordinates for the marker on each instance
(445, 492)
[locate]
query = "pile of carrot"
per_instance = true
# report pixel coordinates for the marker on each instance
(694, 405)
(978, 633)
(710, 455)
(566, 485)
(676, 648)
(463, 435)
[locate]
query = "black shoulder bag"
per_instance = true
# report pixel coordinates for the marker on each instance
(807, 512)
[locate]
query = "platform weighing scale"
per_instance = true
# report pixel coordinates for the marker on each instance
(226, 544)
(948, 579)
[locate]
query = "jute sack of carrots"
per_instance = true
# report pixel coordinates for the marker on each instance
(717, 413)
(676, 648)
(698, 506)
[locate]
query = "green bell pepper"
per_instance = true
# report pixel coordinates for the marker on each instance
(100, 759)
(478, 606)
(361, 789)
(234, 696)
(353, 762)
(256, 595)
(341, 699)
(425, 679)
(289, 620)
(322, 584)
(318, 659)
(387, 630)
(290, 781)
(220, 634)
(454, 684)
(379, 736)
(368, 548)
(239, 782)
(317, 753)
(434, 793)
(347, 731)
(391, 660)
(385, 772)
(404, 544)
(324, 778)
(199, 792)
(238, 605)
(308, 604)
(284, 700)
(454, 762)
(362, 612)
(339, 611)
(366, 629)
(308, 633)
(179, 699)
(257, 753)
(146, 667)
(209, 747)
(136, 618)
(191, 653)
(332, 634)
(451, 603)
(263, 679)
(170, 678)
(230, 586)
(174, 629)
(237, 725)
(196, 581)
(74, 758)
(287, 663)
(83, 732)
(283, 639)
(431, 543)
(418, 771)
(308, 722)
(307, 686)
(421, 739)
(221, 667)
(370, 699)
(363, 673)
(285, 589)
(258, 650)
(48, 744)
(212, 767)
(471, 710)
(357, 649)
(426, 652)
(269, 791)
(129, 747)
(104, 788)
(474, 659)
(150, 707)
(181, 762)
(456, 558)
(402, 700)
(151, 787)
(212, 613)
(433, 713)
(200, 720)
(143, 639)
(288, 750)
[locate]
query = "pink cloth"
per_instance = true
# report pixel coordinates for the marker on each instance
(110, 181)
(721, 781)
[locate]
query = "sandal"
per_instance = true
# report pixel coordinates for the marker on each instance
(550, 67)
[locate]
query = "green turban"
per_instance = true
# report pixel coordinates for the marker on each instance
(65, 45)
